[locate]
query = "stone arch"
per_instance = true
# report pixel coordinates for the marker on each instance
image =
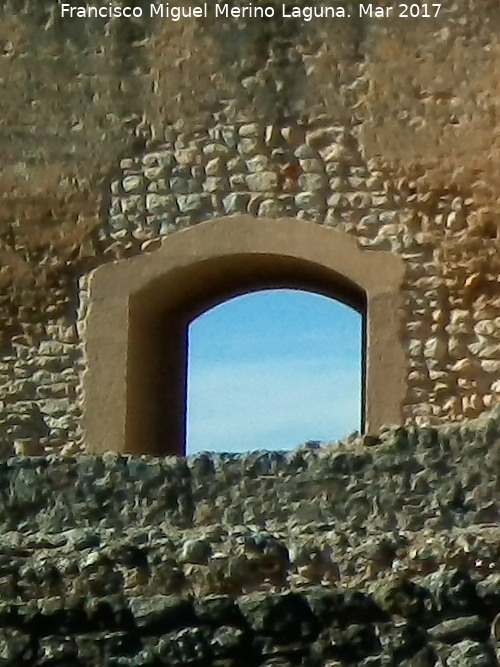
(140, 309)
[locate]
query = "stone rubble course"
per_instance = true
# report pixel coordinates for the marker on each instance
(311, 627)
(391, 559)
(411, 477)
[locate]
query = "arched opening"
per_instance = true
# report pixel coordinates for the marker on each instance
(158, 344)
(140, 310)
(272, 369)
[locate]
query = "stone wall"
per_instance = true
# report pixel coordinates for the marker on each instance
(416, 496)
(314, 627)
(384, 128)
(379, 551)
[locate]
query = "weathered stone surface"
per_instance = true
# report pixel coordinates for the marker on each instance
(147, 579)
(159, 203)
(456, 629)
(15, 647)
(265, 181)
(97, 553)
(321, 626)
(160, 613)
(471, 654)
(290, 117)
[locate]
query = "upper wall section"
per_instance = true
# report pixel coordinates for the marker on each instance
(116, 132)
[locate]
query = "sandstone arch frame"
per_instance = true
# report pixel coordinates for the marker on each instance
(140, 309)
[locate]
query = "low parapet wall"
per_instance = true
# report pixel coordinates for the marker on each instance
(399, 477)
(381, 550)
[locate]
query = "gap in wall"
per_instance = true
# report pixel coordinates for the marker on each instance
(273, 369)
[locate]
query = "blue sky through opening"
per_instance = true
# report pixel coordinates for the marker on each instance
(271, 370)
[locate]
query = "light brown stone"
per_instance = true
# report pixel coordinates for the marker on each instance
(134, 386)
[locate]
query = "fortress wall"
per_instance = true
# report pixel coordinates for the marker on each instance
(408, 503)
(115, 133)
(418, 478)
(381, 550)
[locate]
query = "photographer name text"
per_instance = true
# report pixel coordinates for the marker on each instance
(225, 11)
